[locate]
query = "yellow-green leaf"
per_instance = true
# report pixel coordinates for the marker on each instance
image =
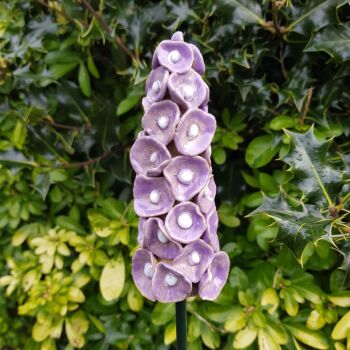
(314, 339)
(342, 327)
(76, 326)
(170, 333)
(244, 338)
(112, 279)
(135, 299)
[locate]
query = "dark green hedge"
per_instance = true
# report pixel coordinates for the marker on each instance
(72, 76)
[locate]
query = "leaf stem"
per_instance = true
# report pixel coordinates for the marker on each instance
(306, 105)
(202, 319)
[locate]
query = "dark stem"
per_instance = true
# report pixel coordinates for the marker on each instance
(107, 29)
(181, 325)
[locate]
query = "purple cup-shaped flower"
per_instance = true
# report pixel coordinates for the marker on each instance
(156, 84)
(185, 223)
(215, 277)
(194, 132)
(169, 285)
(140, 231)
(143, 268)
(160, 120)
(210, 235)
(194, 260)
(148, 156)
(152, 196)
(157, 240)
(198, 62)
(188, 89)
(176, 56)
(186, 176)
(206, 197)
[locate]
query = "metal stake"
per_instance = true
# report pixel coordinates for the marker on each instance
(181, 325)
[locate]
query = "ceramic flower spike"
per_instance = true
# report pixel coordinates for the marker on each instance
(174, 190)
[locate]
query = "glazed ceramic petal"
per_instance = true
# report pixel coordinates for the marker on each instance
(148, 156)
(176, 56)
(188, 89)
(195, 132)
(169, 286)
(143, 268)
(210, 235)
(140, 232)
(187, 176)
(177, 36)
(215, 277)
(160, 120)
(185, 223)
(145, 104)
(207, 155)
(157, 240)
(198, 62)
(194, 260)
(206, 198)
(156, 84)
(152, 196)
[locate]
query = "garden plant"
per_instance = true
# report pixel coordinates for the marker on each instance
(72, 79)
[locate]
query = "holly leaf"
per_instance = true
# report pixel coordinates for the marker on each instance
(312, 173)
(297, 226)
(245, 12)
(315, 14)
(335, 41)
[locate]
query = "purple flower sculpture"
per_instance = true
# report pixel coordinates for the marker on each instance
(174, 189)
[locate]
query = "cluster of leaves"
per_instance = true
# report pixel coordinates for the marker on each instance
(72, 76)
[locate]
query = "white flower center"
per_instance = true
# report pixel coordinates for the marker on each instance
(156, 86)
(184, 220)
(174, 56)
(193, 131)
(195, 258)
(163, 121)
(161, 237)
(154, 157)
(154, 197)
(185, 176)
(188, 92)
(148, 270)
(170, 279)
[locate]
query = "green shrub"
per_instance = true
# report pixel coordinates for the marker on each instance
(72, 76)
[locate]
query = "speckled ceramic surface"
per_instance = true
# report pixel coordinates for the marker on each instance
(174, 189)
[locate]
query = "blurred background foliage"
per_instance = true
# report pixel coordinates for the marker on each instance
(72, 75)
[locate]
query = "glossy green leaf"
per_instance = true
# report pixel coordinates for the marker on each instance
(315, 15)
(261, 151)
(84, 80)
(163, 313)
(313, 173)
(245, 13)
(335, 41)
(297, 227)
